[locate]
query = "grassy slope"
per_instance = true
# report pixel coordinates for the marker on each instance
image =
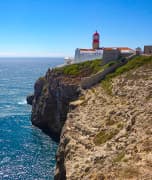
(136, 62)
(87, 67)
(84, 69)
(132, 64)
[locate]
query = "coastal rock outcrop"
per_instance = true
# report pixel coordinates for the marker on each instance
(50, 103)
(29, 99)
(105, 131)
(109, 136)
(54, 92)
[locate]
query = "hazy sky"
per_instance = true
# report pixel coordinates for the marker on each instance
(57, 27)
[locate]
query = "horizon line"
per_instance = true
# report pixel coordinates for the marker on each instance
(32, 56)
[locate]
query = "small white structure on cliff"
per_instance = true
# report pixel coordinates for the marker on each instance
(68, 60)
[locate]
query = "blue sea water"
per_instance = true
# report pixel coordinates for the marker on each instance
(25, 151)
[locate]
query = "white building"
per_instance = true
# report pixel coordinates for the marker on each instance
(87, 54)
(105, 53)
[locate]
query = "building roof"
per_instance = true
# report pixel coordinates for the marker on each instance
(125, 48)
(118, 48)
(122, 49)
(87, 50)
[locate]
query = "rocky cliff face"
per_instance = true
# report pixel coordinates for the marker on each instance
(54, 92)
(50, 103)
(106, 136)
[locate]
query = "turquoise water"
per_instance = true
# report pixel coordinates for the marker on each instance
(25, 151)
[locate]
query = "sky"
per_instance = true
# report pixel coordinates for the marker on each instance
(55, 28)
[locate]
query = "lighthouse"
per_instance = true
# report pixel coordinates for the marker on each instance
(83, 54)
(96, 41)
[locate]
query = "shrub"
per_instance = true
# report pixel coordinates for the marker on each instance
(107, 86)
(42, 79)
(90, 67)
(132, 64)
(110, 64)
(120, 125)
(119, 157)
(104, 136)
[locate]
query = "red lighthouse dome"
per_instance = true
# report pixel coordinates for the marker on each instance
(96, 34)
(96, 40)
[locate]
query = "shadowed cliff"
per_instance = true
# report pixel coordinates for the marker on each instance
(54, 92)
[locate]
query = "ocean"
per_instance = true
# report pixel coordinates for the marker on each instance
(25, 151)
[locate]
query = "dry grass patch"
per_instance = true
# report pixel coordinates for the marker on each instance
(129, 172)
(105, 136)
(119, 157)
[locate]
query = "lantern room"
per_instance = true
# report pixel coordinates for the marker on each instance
(96, 41)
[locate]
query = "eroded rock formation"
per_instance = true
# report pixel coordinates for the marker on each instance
(102, 135)
(110, 136)
(50, 103)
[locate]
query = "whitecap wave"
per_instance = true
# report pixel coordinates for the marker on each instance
(27, 127)
(5, 160)
(7, 106)
(22, 102)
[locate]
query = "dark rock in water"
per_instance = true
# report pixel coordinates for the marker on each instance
(52, 95)
(29, 99)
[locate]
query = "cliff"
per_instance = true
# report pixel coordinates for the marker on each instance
(50, 104)
(54, 92)
(108, 135)
(105, 131)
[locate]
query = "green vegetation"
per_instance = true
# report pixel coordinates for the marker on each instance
(120, 125)
(132, 64)
(119, 157)
(45, 87)
(42, 79)
(84, 68)
(107, 85)
(111, 63)
(104, 136)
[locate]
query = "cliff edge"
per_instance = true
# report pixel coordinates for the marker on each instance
(50, 104)
(54, 92)
(108, 135)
